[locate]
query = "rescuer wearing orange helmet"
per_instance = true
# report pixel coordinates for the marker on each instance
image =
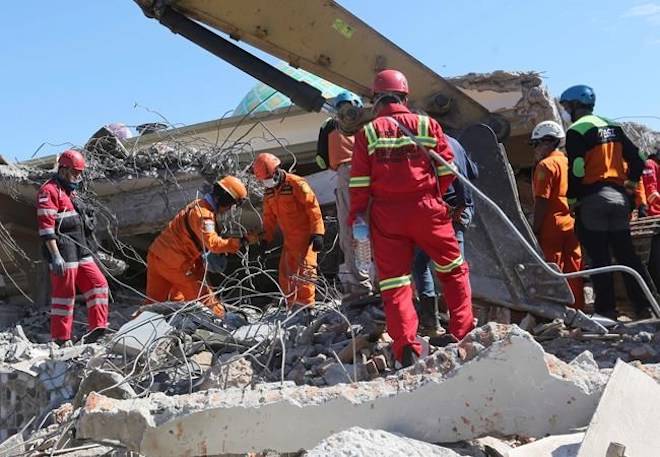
(405, 189)
(290, 203)
(68, 245)
(178, 259)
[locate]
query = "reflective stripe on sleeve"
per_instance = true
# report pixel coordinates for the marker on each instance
(359, 181)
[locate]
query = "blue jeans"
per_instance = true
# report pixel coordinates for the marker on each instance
(422, 271)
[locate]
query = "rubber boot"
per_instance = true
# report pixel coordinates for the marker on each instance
(409, 357)
(428, 317)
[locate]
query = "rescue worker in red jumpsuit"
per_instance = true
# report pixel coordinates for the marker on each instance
(67, 248)
(405, 189)
(290, 203)
(178, 259)
(651, 180)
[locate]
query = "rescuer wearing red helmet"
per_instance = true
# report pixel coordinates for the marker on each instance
(64, 226)
(190, 245)
(405, 189)
(290, 203)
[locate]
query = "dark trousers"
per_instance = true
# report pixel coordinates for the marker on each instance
(599, 246)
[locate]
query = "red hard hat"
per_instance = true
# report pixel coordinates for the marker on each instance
(72, 159)
(264, 165)
(390, 81)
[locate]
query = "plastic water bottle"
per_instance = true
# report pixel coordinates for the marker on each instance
(362, 245)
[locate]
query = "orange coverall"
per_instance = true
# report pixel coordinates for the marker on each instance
(557, 238)
(293, 206)
(174, 260)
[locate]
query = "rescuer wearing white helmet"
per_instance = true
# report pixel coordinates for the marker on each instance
(553, 222)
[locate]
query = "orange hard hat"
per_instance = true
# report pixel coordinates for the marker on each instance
(234, 187)
(264, 165)
(72, 159)
(387, 81)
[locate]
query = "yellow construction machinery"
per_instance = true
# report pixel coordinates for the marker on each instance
(324, 38)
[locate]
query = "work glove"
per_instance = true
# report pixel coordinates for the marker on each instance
(316, 241)
(57, 263)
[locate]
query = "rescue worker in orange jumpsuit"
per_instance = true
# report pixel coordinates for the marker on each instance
(553, 223)
(177, 260)
(68, 248)
(290, 203)
(405, 189)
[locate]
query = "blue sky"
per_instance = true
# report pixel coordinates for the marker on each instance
(70, 66)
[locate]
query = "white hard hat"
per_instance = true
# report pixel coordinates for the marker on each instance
(548, 128)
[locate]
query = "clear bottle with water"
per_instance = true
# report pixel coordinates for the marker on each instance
(362, 245)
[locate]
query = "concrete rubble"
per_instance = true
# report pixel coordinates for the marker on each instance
(359, 442)
(498, 380)
(628, 414)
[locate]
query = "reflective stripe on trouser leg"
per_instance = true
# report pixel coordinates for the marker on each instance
(458, 296)
(63, 297)
(94, 287)
(400, 316)
(393, 255)
(441, 245)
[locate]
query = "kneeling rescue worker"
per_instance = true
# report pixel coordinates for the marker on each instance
(406, 188)
(290, 203)
(176, 259)
(62, 228)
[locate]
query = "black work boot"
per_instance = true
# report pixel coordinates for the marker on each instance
(428, 317)
(95, 335)
(409, 357)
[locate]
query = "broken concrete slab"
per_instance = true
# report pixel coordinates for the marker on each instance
(136, 335)
(628, 413)
(360, 442)
(497, 380)
(12, 446)
(552, 446)
(493, 446)
(107, 382)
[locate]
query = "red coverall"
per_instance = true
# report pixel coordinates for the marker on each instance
(557, 238)
(174, 260)
(293, 206)
(650, 178)
(407, 209)
(58, 219)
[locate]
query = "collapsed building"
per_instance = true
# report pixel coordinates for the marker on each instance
(175, 381)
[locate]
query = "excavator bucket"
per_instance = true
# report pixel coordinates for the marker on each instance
(323, 38)
(502, 271)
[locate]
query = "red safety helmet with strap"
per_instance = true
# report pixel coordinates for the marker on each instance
(265, 165)
(390, 81)
(72, 159)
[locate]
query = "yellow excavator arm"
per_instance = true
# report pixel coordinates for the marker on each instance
(323, 38)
